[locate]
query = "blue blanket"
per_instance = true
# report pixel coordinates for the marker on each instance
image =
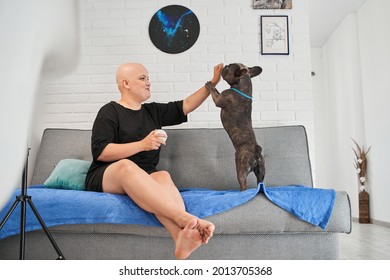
(312, 205)
(59, 207)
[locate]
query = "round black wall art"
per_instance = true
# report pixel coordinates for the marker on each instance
(174, 29)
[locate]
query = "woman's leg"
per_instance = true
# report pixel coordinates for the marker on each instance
(165, 180)
(157, 194)
(188, 239)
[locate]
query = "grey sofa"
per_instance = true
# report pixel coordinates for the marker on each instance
(201, 158)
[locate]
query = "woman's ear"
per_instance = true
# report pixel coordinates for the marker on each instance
(125, 84)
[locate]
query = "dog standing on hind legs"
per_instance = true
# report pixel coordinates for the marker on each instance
(236, 117)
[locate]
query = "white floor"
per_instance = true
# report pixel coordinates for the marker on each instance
(365, 242)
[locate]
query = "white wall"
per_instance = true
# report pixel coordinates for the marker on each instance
(338, 106)
(117, 31)
(321, 122)
(374, 39)
(350, 99)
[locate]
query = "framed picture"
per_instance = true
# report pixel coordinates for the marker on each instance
(174, 29)
(274, 35)
(272, 4)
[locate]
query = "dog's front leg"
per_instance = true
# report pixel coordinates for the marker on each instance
(217, 98)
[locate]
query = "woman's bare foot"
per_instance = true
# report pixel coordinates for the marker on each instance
(188, 240)
(206, 230)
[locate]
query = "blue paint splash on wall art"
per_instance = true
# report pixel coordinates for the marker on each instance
(174, 29)
(170, 25)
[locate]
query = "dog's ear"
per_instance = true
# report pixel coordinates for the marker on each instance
(241, 72)
(255, 71)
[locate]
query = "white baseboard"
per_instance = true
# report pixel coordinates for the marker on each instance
(375, 222)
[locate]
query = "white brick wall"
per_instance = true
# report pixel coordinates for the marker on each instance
(116, 31)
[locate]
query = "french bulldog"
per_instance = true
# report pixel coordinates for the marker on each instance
(236, 111)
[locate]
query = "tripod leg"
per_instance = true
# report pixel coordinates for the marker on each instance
(9, 213)
(24, 198)
(22, 251)
(48, 234)
(22, 234)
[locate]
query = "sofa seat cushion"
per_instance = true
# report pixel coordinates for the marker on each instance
(74, 207)
(258, 216)
(261, 216)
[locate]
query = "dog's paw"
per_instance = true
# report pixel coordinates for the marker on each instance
(209, 86)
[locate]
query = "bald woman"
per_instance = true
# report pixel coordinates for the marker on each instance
(126, 148)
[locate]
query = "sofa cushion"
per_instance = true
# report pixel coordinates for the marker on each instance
(205, 158)
(196, 158)
(258, 216)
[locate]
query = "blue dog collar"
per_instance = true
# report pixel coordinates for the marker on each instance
(241, 93)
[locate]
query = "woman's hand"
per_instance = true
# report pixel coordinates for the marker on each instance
(113, 152)
(152, 141)
(217, 74)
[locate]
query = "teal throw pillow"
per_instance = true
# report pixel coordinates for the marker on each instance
(69, 174)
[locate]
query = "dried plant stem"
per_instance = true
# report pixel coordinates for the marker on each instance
(360, 163)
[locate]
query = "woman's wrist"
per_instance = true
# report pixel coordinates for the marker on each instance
(214, 83)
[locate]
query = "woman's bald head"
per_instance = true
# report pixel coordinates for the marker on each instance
(129, 71)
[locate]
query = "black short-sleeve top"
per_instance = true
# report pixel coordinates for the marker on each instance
(115, 123)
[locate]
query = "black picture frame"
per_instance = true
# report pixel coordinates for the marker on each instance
(275, 37)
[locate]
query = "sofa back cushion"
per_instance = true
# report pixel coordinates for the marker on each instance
(205, 157)
(199, 157)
